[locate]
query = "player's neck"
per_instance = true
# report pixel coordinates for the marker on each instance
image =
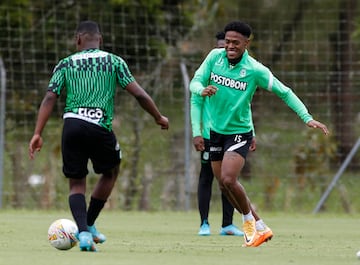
(234, 61)
(90, 45)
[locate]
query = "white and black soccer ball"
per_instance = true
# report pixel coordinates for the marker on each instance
(62, 234)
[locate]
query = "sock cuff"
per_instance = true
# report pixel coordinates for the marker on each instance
(97, 200)
(74, 195)
(248, 216)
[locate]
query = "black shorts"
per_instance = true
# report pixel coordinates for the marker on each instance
(221, 143)
(82, 141)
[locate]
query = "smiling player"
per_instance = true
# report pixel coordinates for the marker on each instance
(230, 77)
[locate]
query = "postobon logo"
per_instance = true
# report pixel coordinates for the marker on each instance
(95, 114)
(225, 81)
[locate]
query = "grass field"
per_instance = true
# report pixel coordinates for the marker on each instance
(171, 238)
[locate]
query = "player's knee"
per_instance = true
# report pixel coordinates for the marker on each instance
(227, 182)
(112, 173)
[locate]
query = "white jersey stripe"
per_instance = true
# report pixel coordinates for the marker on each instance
(271, 81)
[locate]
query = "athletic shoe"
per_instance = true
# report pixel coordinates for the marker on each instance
(96, 235)
(265, 235)
(231, 230)
(250, 233)
(204, 229)
(86, 242)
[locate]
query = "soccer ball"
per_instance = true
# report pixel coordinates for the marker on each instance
(62, 234)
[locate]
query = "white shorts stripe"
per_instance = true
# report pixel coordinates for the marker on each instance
(236, 146)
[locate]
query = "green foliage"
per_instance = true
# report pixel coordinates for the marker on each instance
(314, 155)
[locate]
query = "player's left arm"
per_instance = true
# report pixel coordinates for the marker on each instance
(200, 82)
(270, 82)
(295, 103)
(196, 115)
(252, 147)
(318, 125)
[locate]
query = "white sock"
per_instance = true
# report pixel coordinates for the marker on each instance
(247, 217)
(260, 225)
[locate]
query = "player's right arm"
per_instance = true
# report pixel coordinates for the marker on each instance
(200, 82)
(196, 113)
(127, 81)
(147, 104)
(46, 107)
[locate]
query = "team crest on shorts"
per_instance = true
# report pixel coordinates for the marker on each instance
(206, 156)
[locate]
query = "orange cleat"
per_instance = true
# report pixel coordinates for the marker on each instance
(251, 236)
(264, 236)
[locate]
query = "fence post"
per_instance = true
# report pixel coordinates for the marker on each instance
(2, 124)
(337, 176)
(187, 135)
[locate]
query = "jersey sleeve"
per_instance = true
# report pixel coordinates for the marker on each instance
(196, 108)
(268, 81)
(202, 75)
(123, 74)
(57, 81)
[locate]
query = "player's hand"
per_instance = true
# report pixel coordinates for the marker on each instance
(35, 145)
(163, 122)
(316, 124)
(253, 145)
(209, 91)
(199, 143)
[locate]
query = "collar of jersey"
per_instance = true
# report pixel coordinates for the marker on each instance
(245, 55)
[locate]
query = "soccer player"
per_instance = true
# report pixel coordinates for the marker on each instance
(201, 136)
(90, 78)
(201, 132)
(229, 77)
(220, 39)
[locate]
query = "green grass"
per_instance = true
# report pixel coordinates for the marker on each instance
(171, 238)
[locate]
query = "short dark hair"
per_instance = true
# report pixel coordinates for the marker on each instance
(239, 26)
(88, 26)
(220, 35)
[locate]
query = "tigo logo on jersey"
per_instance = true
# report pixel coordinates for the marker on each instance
(92, 113)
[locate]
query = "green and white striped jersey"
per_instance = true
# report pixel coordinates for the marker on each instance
(230, 107)
(90, 78)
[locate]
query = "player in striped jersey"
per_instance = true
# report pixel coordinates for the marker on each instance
(230, 77)
(90, 78)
